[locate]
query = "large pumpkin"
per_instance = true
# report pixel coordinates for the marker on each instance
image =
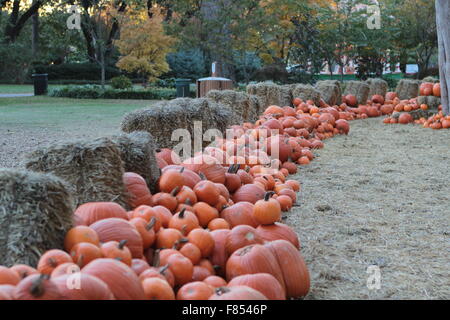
(114, 229)
(254, 259)
(121, 279)
(82, 286)
(262, 282)
(293, 268)
(94, 211)
(137, 190)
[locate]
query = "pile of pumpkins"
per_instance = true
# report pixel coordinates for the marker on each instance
(212, 231)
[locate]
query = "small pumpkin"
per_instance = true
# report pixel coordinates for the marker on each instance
(192, 252)
(207, 191)
(168, 238)
(118, 251)
(217, 224)
(241, 236)
(237, 293)
(85, 252)
(215, 281)
(170, 180)
(239, 213)
(146, 230)
(80, 234)
(8, 276)
(157, 289)
(23, 270)
(249, 193)
(185, 221)
(278, 231)
(195, 291)
(51, 259)
(205, 213)
(267, 211)
(203, 240)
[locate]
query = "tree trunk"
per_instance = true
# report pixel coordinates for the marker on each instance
(35, 32)
(443, 31)
(103, 67)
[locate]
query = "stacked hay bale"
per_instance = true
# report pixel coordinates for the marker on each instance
(431, 101)
(416, 114)
(430, 79)
(359, 89)
(407, 89)
(162, 119)
(285, 95)
(330, 91)
(35, 214)
(138, 153)
(377, 86)
(92, 169)
(267, 92)
(247, 107)
(306, 92)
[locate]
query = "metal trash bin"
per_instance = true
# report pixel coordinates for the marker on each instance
(183, 87)
(40, 82)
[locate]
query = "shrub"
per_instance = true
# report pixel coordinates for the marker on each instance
(15, 62)
(96, 92)
(121, 82)
(76, 71)
(188, 64)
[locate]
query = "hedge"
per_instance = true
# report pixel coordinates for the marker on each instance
(96, 92)
(76, 71)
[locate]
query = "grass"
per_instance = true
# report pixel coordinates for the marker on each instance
(61, 112)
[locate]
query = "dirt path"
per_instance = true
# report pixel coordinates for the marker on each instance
(380, 196)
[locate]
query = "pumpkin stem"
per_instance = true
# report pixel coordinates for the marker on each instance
(163, 269)
(175, 191)
(151, 224)
(122, 244)
(231, 169)
(188, 202)
(202, 176)
(268, 195)
(155, 262)
(158, 150)
(182, 169)
(36, 287)
(222, 290)
(181, 214)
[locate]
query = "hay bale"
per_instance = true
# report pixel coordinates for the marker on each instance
(137, 150)
(306, 92)
(162, 119)
(247, 107)
(271, 94)
(35, 214)
(430, 79)
(359, 89)
(285, 95)
(416, 114)
(407, 89)
(330, 91)
(431, 101)
(93, 169)
(377, 86)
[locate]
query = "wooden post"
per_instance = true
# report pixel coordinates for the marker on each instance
(443, 31)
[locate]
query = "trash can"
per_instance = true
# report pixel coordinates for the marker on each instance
(40, 83)
(183, 87)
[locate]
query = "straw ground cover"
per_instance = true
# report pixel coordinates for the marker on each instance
(31, 122)
(379, 196)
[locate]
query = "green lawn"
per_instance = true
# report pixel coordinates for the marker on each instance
(65, 113)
